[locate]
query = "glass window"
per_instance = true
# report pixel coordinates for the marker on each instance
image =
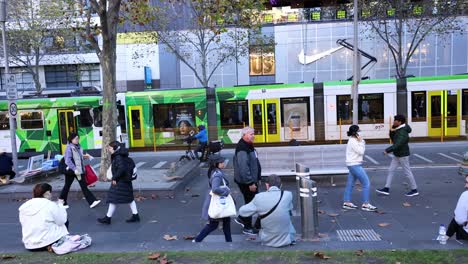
(32, 120)
(4, 121)
(97, 116)
(62, 76)
(371, 108)
(121, 118)
(465, 104)
(295, 111)
(24, 80)
(418, 103)
(85, 119)
(175, 117)
(234, 114)
(262, 60)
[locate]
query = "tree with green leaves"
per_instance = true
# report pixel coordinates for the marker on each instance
(35, 30)
(404, 24)
(203, 34)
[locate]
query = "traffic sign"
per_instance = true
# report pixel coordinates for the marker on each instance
(13, 109)
(11, 91)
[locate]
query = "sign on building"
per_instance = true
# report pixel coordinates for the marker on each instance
(11, 91)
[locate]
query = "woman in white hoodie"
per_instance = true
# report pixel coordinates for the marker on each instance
(354, 155)
(43, 222)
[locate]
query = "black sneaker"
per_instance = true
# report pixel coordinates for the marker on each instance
(133, 219)
(384, 191)
(250, 232)
(105, 220)
(412, 193)
(239, 221)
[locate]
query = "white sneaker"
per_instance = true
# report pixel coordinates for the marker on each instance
(94, 204)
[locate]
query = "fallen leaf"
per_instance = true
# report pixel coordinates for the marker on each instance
(8, 257)
(384, 224)
(153, 196)
(380, 212)
(164, 260)
(250, 238)
(333, 215)
(333, 221)
(154, 256)
(359, 253)
(321, 212)
(406, 204)
(153, 221)
(189, 237)
(321, 255)
(183, 201)
(169, 237)
(195, 195)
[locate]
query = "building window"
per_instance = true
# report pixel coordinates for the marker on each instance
(371, 108)
(465, 104)
(24, 80)
(262, 60)
(234, 114)
(4, 121)
(418, 104)
(31, 120)
(179, 118)
(72, 76)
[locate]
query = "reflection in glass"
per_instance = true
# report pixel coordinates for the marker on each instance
(63, 128)
(418, 103)
(271, 108)
(4, 121)
(234, 114)
(345, 109)
(257, 119)
(435, 111)
(452, 110)
(136, 128)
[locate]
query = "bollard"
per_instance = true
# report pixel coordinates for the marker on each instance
(307, 194)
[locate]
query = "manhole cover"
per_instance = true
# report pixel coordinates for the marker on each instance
(358, 235)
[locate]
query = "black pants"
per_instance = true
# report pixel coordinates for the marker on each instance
(212, 225)
(69, 178)
(200, 148)
(11, 173)
(455, 228)
(248, 197)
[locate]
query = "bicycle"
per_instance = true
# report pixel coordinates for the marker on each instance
(189, 155)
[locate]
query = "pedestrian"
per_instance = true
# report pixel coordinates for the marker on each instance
(247, 175)
(354, 155)
(219, 185)
(202, 141)
(75, 169)
(459, 223)
(274, 208)
(43, 222)
(6, 165)
(399, 135)
(121, 189)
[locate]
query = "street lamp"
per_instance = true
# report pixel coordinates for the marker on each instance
(11, 86)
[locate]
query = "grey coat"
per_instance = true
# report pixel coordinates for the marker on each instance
(277, 229)
(247, 169)
(217, 187)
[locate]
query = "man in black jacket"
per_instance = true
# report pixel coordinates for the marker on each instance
(247, 174)
(6, 165)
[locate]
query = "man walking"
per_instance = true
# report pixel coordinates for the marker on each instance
(400, 138)
(247, 174)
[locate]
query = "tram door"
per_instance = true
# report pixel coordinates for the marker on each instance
(444, 113)
(136, 134)
(67, 125)
(265, 119)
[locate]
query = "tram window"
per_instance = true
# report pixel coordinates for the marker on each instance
(371, 108)
(178, 117)
(4, 121)
(295, 111)
(121, 118)
(234, 114)
(418, 103)
(345, 109)
(465, 104)
(32, 120)
(85, 119)
(97, 116)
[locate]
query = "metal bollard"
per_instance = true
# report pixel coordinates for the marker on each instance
(307, 193)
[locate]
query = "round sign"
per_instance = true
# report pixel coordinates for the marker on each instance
(13, 109)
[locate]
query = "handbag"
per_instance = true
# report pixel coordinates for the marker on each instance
(109, 173)
(90, 175)
(221, 206)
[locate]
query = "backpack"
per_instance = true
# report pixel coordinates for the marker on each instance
(132, 169)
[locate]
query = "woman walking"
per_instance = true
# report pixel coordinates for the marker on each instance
(354, 155)
(75, 169)
(121, 190)
(218, 185)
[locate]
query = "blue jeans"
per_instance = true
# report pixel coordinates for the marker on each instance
(356, 172)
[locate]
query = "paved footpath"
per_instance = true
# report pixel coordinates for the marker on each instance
(404, 222)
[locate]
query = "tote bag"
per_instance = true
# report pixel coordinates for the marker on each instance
(90, 175)
(221, 206)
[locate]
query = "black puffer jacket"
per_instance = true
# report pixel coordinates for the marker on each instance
(120, 169)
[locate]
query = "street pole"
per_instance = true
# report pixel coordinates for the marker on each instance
(356, 66)
(11, 100)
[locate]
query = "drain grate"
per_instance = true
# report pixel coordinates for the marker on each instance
(358, 235)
